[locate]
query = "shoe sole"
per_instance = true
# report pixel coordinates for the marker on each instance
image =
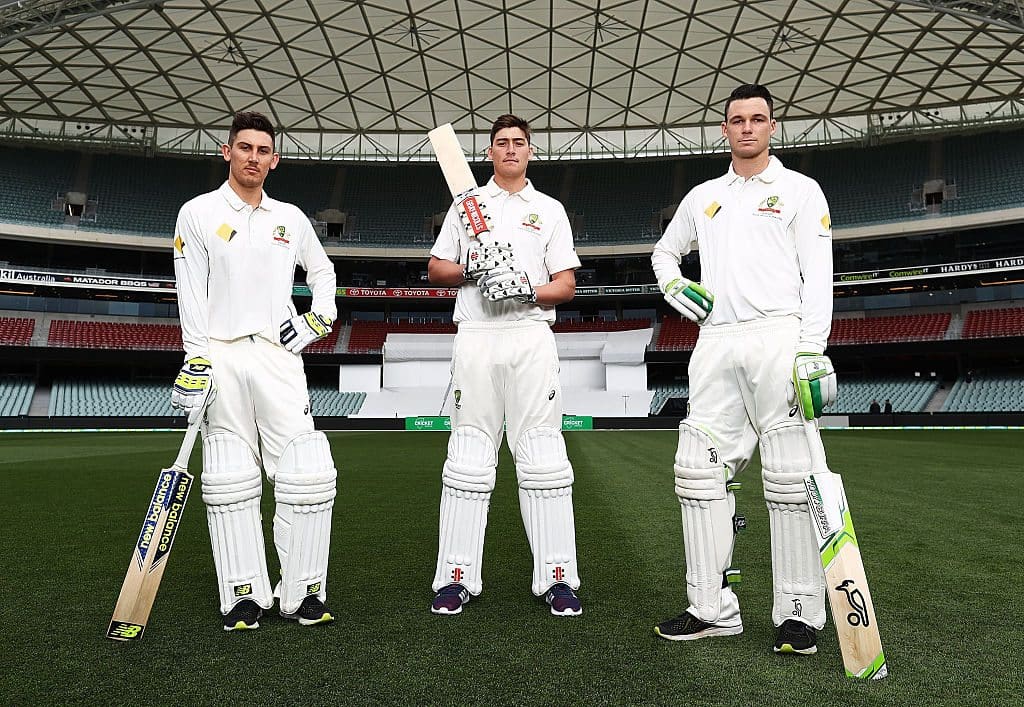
(787, 648)
(242, 626)
(443, 611)
(567, 612)
(706, 633)
(325, 618)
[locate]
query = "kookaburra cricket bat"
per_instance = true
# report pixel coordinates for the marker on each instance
(149, 557)
(853, 612)
(461, 183)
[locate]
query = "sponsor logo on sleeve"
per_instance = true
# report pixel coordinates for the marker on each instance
(179, 244)
(712, 209)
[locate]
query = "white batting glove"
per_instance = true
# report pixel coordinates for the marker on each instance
(193, 387)
(814, 384)
(691, 299)
(481, 259)
(514, 285)
(300, 331)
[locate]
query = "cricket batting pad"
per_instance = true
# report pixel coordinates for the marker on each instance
(709, 531)
(466, 484)
(545, 500)
(797, 577)
(304, 487)
(232, 484)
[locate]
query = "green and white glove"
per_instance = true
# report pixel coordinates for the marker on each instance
(299, 332)
(691, 299)
(814, 384)
(193, 384)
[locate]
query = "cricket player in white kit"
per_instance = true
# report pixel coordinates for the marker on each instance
(505, 371)
(764, 305)
(235, 253)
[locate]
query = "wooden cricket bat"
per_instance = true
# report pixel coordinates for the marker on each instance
(461, 183)
(149, 558)
(853, 611)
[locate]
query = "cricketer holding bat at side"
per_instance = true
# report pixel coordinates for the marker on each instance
(505, 370)
(235, 252)
(764, 305)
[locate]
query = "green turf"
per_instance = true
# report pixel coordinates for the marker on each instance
(937, 514)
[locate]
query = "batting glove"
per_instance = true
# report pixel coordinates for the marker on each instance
(814, 384)
(481, 259)
(514, 285)
(300, 331)
(691, 299)
(193, 388)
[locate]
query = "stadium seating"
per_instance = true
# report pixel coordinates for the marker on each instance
(663, 393)
(369, 336)
(986, 323)
(32, 178)
(677, 334)
(986, 394)
(15, 395)
(906, 394)
(16, 331)
(103, 398)
(114, 335)
(887, 329)
(575, 325)
(334, 403)
(326, 344)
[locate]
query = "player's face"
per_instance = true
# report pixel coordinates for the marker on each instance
(251, 157)
(510, 151)
(748, 127)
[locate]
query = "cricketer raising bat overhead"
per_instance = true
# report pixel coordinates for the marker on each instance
(852, 608)
(149, 557)
(461, 183)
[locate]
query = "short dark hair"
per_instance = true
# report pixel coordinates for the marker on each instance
(510, 121)
(250, 120)
(749, 90)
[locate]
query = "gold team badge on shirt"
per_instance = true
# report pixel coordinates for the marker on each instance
(771, 205)
(531, 221)
(281, 236)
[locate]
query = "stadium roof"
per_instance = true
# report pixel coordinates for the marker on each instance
(365, 79)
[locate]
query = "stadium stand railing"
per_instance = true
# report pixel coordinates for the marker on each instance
(575, 325)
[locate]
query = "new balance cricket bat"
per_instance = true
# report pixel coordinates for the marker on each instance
(853, 612)
(149, 558)
(461, 182)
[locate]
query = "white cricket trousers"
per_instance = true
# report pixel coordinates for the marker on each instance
(739, 380)
(505, 373)
(261, 396)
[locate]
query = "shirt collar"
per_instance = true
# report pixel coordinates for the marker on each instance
(527, 193)
(768, 175)
(236, 203)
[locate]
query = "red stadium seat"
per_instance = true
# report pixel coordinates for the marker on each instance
(990, 323)
(16, 331)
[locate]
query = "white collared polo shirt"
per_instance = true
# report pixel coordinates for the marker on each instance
(765, 249)
(235, 266)
(538, 229)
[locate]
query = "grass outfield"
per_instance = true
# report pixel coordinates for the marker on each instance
(937, 513)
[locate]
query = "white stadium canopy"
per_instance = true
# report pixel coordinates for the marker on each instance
(365, 79)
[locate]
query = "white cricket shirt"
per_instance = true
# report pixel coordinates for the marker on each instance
(765, 249)
(538, 229)
(235, 266)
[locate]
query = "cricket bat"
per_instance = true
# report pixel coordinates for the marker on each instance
(149, 558)
(853, 612)
(461, 183)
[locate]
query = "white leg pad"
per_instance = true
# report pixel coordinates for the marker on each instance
(304, 487)
(232, 484)
(709, 533)
(545, 500)
(466, 485)
(797, 576)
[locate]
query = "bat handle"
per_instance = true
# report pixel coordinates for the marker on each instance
(818, 461)
(195, 419)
